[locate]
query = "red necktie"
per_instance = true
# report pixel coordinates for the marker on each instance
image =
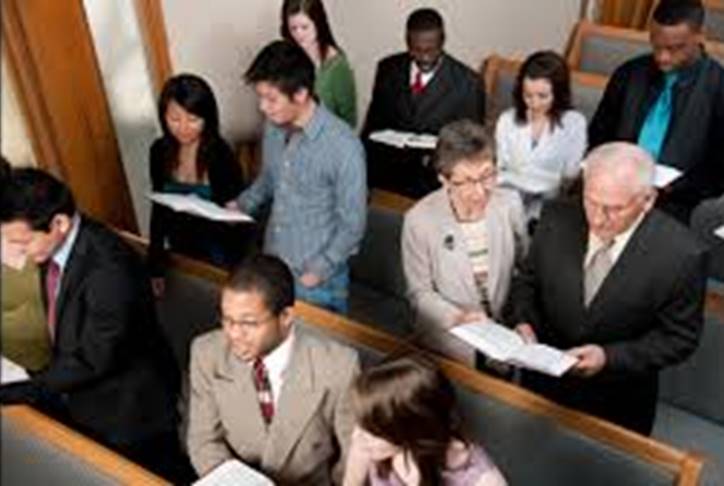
(263, 391)
(52, 279)
(417, 86)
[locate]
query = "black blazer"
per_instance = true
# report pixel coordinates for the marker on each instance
(455, 92)
(110, 362)
(694, 142)
(647, 314)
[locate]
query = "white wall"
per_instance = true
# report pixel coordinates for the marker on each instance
(121, 58)
(218, 39)
(16, 145)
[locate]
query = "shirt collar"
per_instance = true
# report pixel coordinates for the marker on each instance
(619, 242)
(62, 254)
(278, 359)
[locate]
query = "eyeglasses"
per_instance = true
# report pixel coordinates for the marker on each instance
(248, 324)
(610, 211)
(485, 181)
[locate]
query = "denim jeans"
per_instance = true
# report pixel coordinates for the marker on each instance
(331, 294)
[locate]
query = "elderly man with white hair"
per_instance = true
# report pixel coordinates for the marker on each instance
(616, 283)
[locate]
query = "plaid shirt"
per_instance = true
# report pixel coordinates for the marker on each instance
(318, 184)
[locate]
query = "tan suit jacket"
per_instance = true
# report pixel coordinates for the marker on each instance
(440, 281)
(310, 432)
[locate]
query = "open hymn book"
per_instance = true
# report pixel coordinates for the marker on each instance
(234, 472)
(404, 139)
(193, 204)
(502, 344)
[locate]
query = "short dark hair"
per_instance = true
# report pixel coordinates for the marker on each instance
(285, 65)
(269, 276)
(194, 95)
(410, 403)
(675, 12)
(551, 66)
(35, 197)
(5, 169)
(425, 19)
(314, 9)
(460, 140)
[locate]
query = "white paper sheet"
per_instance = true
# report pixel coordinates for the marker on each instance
(502, 344)
(665, 175)
(11, 372)
(399, 139)
(719, 232)
(193, 204)
(233, 472)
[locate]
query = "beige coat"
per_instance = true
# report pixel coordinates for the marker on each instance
(313, 421)
(440, 281)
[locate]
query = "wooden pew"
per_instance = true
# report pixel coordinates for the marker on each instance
(600, 49)
(532, 439)
(499, 75)
(38, 450)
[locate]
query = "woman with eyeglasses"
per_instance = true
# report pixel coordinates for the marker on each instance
(542, 139)
(461, 242)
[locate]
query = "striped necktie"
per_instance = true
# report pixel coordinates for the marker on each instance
(263, 391)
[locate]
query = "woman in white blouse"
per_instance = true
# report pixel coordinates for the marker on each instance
(541, 140)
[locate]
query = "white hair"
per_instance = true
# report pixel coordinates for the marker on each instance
(622, 160)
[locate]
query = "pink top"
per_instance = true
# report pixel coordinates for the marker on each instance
(469, 473)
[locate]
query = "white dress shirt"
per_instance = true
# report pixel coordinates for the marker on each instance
(276, 364)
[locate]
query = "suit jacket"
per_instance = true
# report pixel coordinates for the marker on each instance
(313, 420)
(440, 281)
(646, 315)
(454, 93)
(698, 101)
(110, 362)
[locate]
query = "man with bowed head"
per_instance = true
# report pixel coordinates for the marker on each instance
(618, 284)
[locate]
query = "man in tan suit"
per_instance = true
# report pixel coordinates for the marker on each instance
(266, 392)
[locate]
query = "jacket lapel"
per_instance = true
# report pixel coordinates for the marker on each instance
(456, 249)
(299, 400)
(72, 274)
(241, 392)
(438, 87)
(615, 282)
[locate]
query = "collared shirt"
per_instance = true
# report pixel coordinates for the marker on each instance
(276, 364)
(62, 254)
(426, 76)
(619, 243)
(318, 184)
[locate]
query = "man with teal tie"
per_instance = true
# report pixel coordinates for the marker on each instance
(671, 103)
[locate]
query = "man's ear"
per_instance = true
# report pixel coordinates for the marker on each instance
(286, 319)
(650, 199)
(61, 224)
(301, 96)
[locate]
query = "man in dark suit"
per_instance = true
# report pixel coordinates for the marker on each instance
(617, 284)
(111, 375)
(671, 102)
(418, 91)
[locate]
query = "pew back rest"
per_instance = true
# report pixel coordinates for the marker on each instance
(378, 263)
(600, 49)
(714, 20)
(697, 385)
(500, 73)
(707, 217)
(531, 439)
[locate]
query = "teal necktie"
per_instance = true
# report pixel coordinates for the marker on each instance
(651, 136)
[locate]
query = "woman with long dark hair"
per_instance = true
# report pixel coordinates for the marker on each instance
(191, 157)
(408, 432)
(305, 23)
(542, 138)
